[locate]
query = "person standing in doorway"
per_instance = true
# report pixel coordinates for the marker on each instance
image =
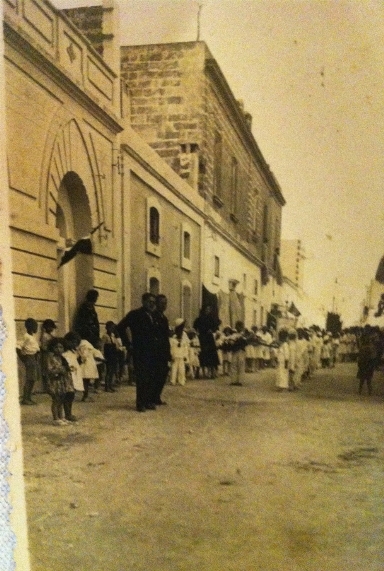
(86, 321)
(138, 333)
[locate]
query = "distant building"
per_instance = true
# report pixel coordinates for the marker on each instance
(181, 104)
(292, 259)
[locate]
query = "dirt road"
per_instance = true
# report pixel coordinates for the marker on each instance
(221, 479)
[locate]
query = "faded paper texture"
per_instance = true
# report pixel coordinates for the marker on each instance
(308, 77)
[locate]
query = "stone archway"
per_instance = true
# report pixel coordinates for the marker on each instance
(73, 204)
(73, 220)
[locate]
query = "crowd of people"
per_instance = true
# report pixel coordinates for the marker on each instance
(146, 350)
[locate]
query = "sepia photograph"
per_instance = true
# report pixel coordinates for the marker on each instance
(192, 285)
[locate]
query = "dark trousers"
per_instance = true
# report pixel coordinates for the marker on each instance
(57, 406)
(86, 383)
(162, 370)
(145, 373)
(31, 375)
(110, 374)
(67, 403)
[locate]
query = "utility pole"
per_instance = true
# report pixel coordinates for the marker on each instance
(198, 21)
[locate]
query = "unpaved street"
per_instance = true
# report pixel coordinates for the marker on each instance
(221, 479)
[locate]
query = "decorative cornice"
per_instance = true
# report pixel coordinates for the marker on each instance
(42, 61)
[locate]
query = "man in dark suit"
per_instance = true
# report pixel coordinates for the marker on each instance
(138, 331)
(163, 347)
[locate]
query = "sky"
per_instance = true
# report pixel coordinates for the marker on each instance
(311, 74)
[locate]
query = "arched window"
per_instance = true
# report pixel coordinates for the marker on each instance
(154, 286)
(154, 225)
(153, 280)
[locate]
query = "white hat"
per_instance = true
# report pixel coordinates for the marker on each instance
(179, 321)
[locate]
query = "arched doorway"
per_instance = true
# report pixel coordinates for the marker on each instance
(73, 220)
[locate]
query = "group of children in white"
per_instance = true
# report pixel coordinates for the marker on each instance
(69, 364)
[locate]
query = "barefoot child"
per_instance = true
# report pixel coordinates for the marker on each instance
(179, 352)
(71, 355)
(59, 380)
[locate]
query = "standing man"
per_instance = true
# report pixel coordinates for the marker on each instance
(87, 325)
(138, 333)
(86, 321)
(163, 347)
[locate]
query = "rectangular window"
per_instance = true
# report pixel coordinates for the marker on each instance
(216, 269)
(255, 287)
(154, 225)
(187, 246)
(153, 231)
(265, 224)
(234, 186)
(217, 165)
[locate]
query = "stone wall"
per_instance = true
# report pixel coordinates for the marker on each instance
(60, 148)
(166, 86)
(89, 20)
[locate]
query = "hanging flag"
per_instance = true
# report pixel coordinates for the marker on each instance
(82, 246)
(293, 309)
(379, 277)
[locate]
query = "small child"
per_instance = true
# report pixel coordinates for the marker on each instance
(59, 381)
(89, 369)
(71, 355)
(28, 351)
(237, 343)
(226, 350)
(179, 352)
(194, 351)
(326, 354)
(111, 355)
(250, 353)
(47, 334)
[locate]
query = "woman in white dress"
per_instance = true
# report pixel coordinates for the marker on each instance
(282, 371)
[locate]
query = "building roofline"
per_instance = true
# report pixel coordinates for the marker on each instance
(213, 69)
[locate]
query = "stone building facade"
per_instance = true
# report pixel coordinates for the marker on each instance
(62, 112)
(183, 107)
(74, 164)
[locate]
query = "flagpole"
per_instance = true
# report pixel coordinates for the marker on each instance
(97, 227)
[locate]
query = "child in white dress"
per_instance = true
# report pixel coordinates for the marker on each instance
(179, 352)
